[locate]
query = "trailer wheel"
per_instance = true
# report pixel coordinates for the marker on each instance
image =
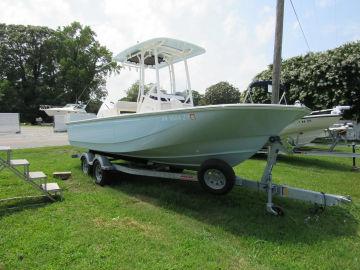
(101, 176)
(216, 176)
(85, 166)
(277, 211)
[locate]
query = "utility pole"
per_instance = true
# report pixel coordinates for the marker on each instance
(277, 51)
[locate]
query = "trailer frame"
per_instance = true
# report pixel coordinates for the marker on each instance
(265, 184)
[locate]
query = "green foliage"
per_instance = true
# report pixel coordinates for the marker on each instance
(221, 93)
(41, 66)
(132, 92)
(94, 105)
(197, 98)
(4, 85)
(26, 67)
(83, 63)
(321, 80)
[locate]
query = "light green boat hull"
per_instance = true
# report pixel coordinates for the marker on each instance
(187, 137)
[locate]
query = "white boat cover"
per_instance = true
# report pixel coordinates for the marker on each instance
(169, 51)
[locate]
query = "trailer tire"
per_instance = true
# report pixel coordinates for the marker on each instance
(279, 210)
(101, 176)
(85, 166)
(216, 176)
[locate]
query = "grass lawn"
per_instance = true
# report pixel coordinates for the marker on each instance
(141, 223)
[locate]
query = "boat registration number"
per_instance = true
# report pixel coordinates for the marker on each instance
(178, 117)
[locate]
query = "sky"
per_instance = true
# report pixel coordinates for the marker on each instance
(238, 35)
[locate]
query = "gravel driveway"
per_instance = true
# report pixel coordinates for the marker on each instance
(34, 136)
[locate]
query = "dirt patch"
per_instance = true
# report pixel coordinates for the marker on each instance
(146, 199)
(127, 223)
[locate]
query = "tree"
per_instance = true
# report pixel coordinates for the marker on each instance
(4, 85)
(83, 63)
(41, 66)
(132, 92)
(26, 67)
(221, 93)
(197, 98)
(94, 105)
(321, 80)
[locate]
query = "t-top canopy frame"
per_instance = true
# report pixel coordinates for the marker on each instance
(169, 51)
(155, 54)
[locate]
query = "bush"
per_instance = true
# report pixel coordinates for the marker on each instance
(221, 93)
(321, 80)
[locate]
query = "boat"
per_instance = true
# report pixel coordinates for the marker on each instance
(318, 124)
(76, 108)
(310, 127)
(168, 129)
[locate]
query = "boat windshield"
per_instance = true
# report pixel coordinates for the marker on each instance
(322, 112)
(262, 89)
(75, 106)
(80, 106)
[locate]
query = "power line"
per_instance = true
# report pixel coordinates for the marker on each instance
(302, 31)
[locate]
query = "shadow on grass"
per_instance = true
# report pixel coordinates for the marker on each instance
(241, 212)
(17, 205)
(309, 162)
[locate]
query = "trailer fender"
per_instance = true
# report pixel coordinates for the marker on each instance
(89, 157)
(104, 162)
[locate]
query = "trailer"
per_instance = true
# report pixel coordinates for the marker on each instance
(329, 153)
(288, 150)
(215, 176)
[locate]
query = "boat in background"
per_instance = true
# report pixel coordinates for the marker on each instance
(305, 130)
(166, 127)
(77, 108)
(318, 124)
